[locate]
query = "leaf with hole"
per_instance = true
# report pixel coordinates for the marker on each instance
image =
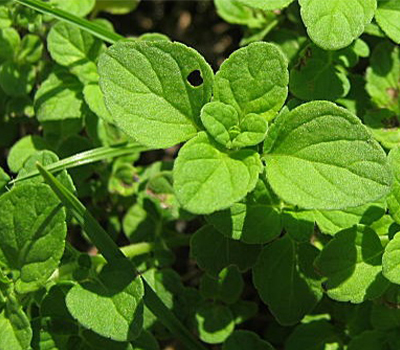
(153, 102)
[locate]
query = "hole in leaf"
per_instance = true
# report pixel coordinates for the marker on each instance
(195, 79)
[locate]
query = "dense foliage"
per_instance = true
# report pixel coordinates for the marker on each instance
(148, 202)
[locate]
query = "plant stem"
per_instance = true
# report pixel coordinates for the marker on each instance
(108, 248)
(87, 157)
(93, 28)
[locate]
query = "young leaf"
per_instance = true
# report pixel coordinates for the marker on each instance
(152, 102)
(117, 296)
(72, 47)
(213, 251)
(351, 261)
(32, 234)
(207, 179)
(383, 76)
(285, 281)
(242, 340)
(223, 124)
(95, 100)
(320, 156)
(335, 24)
(388, 17)
(253, 79)
(393, 200)
(214, 323)
(266, 5)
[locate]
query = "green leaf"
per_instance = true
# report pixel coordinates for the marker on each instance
(4, 179)
(253, 79)
(32, 231)
(113, 254)
(59, 98)
(299, 224)
(223, 124)
(266, 5)
(17, 80)
(151, 102)
(332, 221)
(255, 220)
(383, 76)
(116, 7)
(95, 100)
(227, 287)
(9, 43)
(15, 329)
(383, 125)
(317, 76)
(388, 17)
(76, 49)
(22, 150)
(213, 251)
(45, 158)
(243, 340)
(335, 24)
(391, 260)
(285, 280)
(369, 340)
(311, 336)
(5, 18)
(351, 262)
(393, 199)
(207, 179)
(320, 156)
(385, 317)
(116, 296)
(233, 11)
(30, 50)
(214, 323)
(79, 8)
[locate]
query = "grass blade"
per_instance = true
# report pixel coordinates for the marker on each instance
(108, 248)
(93, 28)
(87, 157)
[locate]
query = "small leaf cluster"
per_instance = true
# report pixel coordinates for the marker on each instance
(255, 207)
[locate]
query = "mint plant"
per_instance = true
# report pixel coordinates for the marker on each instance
(149, 201)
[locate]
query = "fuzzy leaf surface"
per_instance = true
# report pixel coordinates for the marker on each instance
(207, 179)
(335, 24)
(320, 156)
(147, 92)
(352, 263)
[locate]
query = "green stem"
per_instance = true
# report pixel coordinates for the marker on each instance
(108, 248)
(92, 28)
(87, 157)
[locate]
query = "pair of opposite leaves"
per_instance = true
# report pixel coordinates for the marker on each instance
(319, 156)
